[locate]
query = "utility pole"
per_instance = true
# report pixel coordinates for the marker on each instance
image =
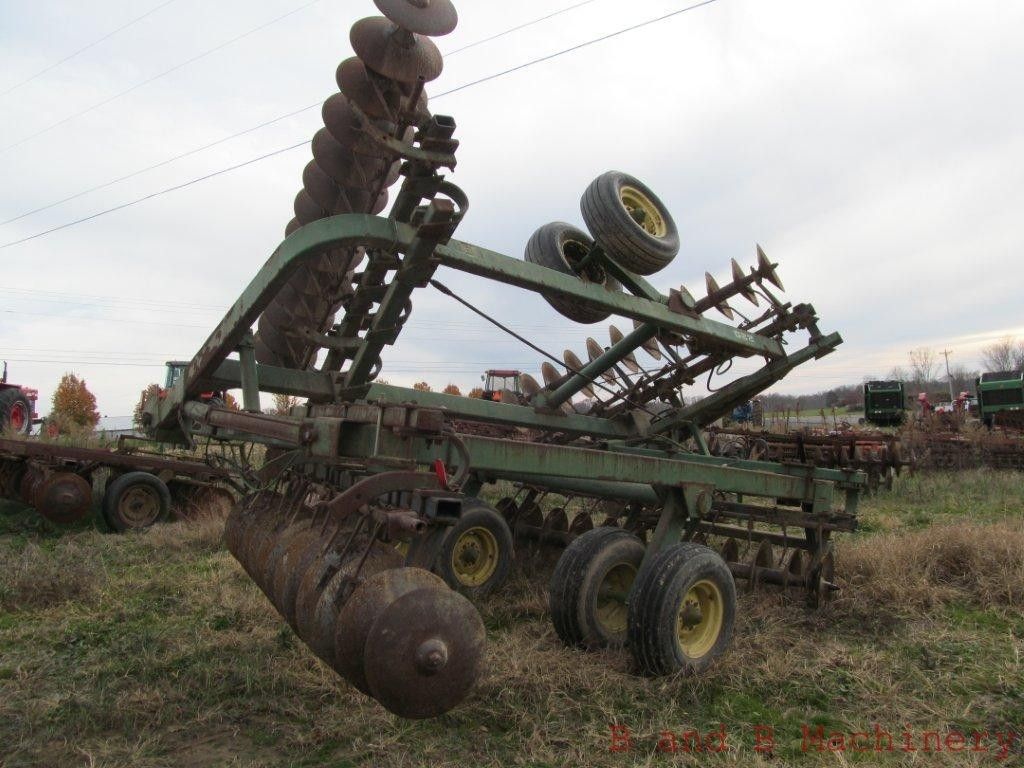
(949, 377)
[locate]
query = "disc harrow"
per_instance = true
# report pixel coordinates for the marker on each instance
(372, 526)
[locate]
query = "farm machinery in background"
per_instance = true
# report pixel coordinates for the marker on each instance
(133, 488)
(664, 527)
(17, 407)
(885, 403)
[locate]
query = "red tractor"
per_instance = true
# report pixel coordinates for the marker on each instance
(499, 382)
(17, 406)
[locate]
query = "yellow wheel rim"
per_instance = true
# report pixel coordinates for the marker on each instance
(475, 556)
(700, 618)
(611, 597)
(644, 211)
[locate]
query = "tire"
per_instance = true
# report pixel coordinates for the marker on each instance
(136, 500)
(558, 246)
(680, 573)
(608, 207)
(589, 587)
(474, 556)
(15, 412)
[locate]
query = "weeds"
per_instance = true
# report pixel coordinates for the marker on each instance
(155, 649)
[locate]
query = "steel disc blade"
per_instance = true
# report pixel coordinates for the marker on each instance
(362, 609)
(321, 633)
(651, 345)
(574, 364)
(582, 523)
(711, 283)
(766, 270)
(63, 497)
(298, 557)
(529, 385)
(557, 520)
(292, 225)
(423, 653)
(355, 83)
(306, 208)
(377, 96)
(594, 350)
(629, 360)
(549, 373)
(426, 17)
(738, 277)
(572, 361)
(333, 159)
(349, 131)
(402, 56)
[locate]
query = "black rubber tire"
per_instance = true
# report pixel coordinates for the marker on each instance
(9, 400)
(139, 482)
(616, 231)
(435, 550)
(556, 246)
(655, 602)
(576, 585)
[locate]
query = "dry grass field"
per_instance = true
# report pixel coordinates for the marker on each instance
(156, 650)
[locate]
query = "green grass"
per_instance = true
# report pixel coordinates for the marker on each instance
(157, 650)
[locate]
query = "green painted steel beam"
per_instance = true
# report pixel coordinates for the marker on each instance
(307, 242)
(467, 257)
(511, 460)
(507, 414)
(719, 403)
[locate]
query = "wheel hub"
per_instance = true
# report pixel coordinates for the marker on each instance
(700, 619)
(475, 556)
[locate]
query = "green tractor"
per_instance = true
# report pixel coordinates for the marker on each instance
(884, 403)
(1001, 398)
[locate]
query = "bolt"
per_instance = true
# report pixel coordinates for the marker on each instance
(431, 656)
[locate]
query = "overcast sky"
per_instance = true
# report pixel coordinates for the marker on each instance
(874, 148)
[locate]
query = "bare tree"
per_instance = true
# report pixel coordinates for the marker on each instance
(898, 373)
(284, 403)
(923, 365)
(1007, 354)
(962, 378)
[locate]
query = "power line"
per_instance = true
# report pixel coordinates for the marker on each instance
(273, 120)
(93, 44)
(161, 164)
(149, 80)
(524, 25)
(464, 86)
(576, 47)
(156, 194)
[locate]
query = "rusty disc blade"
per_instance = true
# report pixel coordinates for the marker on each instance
(423, 653)
(426, 17)
(582, 523)
(298, 556)
(651, 345)
(549, 373)
(530, 514)
(574, 364)
(766, 270)
(629, 360)
(267, 569)
(363, 608)
(738, 277)
(350, 132)
(594, 351)
(529, 385)
(556, 520)
(321, 631)
(62, 497)
(401, 55)
(356, 84)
